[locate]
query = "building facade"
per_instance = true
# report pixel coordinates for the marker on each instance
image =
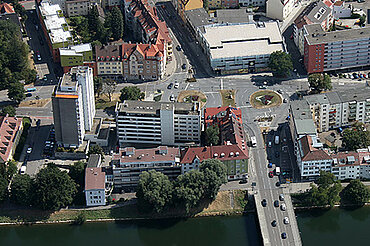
(254, 3)
(78, 7)
(183, 5)
(11, 129)
(143, 122)
(246, 48)
(109, 60)
(330, 51)
(73, 104)
(129, 163)
(280, 9)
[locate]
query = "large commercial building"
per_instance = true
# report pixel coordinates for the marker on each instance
(10, 131)
(73, 106)
(280, 9)
(55, 27)
(246, 48)
(162, 123)
(340, 108)
(129, 163)
(328, 51)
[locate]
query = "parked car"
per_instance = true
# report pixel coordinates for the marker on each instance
(178, 47)
(277, 154)
(276, 203)
(270, 144)
(286, 220)
(365, 76)
(172, 98)
(183, 66)
(360, 76)
(273, 223)
(283, 235)
(38, 56)
(277, 184)
(271, 174)
(29, 150)
(28, 94)
(170, 86)
(283, 207)
(281, 197)
(269, 165)
(176, 85)
(264, 203)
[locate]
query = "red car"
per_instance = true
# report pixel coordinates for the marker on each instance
(271, 174)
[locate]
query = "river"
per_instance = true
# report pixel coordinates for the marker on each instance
(335, 227)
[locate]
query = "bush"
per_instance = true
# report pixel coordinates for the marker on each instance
(22, 140)
(80, 219)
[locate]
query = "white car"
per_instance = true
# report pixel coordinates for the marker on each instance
(283, 207)
(286, 220)
(29, 150)
(270, 144)
(172, 98)
(176, 85)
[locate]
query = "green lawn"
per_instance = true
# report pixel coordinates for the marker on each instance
(228, 98)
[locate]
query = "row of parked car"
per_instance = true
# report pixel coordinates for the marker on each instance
(50, 143)
(351, 75)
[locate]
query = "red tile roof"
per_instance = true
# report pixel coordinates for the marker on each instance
(94, 178)
(221, 152)
(9, 127)
(310, 153)
(162, 153)
(6, 8)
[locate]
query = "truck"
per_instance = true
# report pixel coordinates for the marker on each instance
(253, 141)
(277, 170)
(277, 139)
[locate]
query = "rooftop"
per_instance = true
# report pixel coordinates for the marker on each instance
(159, 154)
(309, 152)
(243, 39)
(9, 127)
(198, 17)
(148, 107)
(94, 178)
(68, 86)
(302, 117)
(94, 161)
(336, 97)
(6, 8)
(233, 16)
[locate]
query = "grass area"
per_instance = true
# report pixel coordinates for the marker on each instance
(103, 102)
(221, 205)
(35, 103)
(228, 98)
(22, 140)
(188, 96)
(276, 100)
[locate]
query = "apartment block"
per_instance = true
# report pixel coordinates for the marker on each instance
(76, 55)
(95, 182)
(73, 106)
(217, 4)
(246, 48)
(340, 108)
(315, 13)
(254, 3)
(11, 129)
(129, 163)
(328, 51)
(78, 7)
(280, 9)
(162, 123)
(54, 27)
(108, 60)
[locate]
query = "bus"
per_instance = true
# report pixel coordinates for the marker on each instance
(31, 89)
(253, 141)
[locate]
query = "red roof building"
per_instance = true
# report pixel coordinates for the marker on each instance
(10, 132)
(94, 186)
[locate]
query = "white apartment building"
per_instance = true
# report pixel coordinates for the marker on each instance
(75, 7)
(280, 9)
(254, 3)
(246, 48)
(73, 106)
(165, 123)
(340, 108)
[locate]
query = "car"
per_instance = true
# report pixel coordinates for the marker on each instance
(286, 220)
(283, 235)
(176, 85)
(264, 203)
(270, 144)
(277, 154)
(243, 181)
(28, 94)
(29, 150)
(183, 66)
(283, 207)
(178, 47)
(350, 76)
(279, 91)
(365, 76)
(271, 174)
(38, 56)
(170, 86)
(262, 87)
(284, 139)
(269, 165)
(172, 98)
(285, 100)
(360, 76)
(273, 223)
(37, 27)
(277, 184)
(355, 75)
(281, 197)
(276, 203)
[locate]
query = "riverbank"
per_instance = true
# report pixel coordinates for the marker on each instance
(226, 203)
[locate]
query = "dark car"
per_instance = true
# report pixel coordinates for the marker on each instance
(277, 184)
(264, 203)
(283, 235)
(183, 66)
(276, 203)
(178, 47)
(40, 40)
(273, 223)
(170, 86)
(29, 95)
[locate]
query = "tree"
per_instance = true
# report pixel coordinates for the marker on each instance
(319, 82)
(8, 110)
(206, 5)
(16, 92)
(53, 188)
(154, 191)
(77, 173)
(189, 189)
(357, 137)
(109, 87)
(21, 190)
(362, 20)
(98, 85)
(326, 179)
(3, 188)
(11, 169)
(96, 149)
(131, 93)
(212, 135)
(356, 193)
(280, 63)
(216, 166)
(114, 22)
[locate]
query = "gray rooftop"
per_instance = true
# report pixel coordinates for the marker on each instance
(233, 16)
(316, 35)
(319, 12)
(198, 17)
(149, 107)
(303, 118)
(336, 97)
(316, 99)
(94, 161)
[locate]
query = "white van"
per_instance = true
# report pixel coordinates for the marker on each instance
(23, 169)
(277, 139)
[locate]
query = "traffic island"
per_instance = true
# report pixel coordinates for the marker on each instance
(265, 99)
(228, 98)
(192, 96)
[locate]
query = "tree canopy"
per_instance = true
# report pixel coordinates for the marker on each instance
(8, 110)
(280, 63)
(109, 87)
(16, 92)
(114, 22)
(96, 149)
(319, 82)
(21, 190)
(53, 188)
(212, 135)
(356, 193)
(356, 137)
(154, 191)
(131, 93)
(98, 85)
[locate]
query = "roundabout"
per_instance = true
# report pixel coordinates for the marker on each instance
(265, 99)
(192, 96)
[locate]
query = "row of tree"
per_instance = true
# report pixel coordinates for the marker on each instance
(156, 193)
(51, 189)
(92, 29)
(329, 191)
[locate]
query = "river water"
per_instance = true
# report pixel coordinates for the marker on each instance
(335, 227)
